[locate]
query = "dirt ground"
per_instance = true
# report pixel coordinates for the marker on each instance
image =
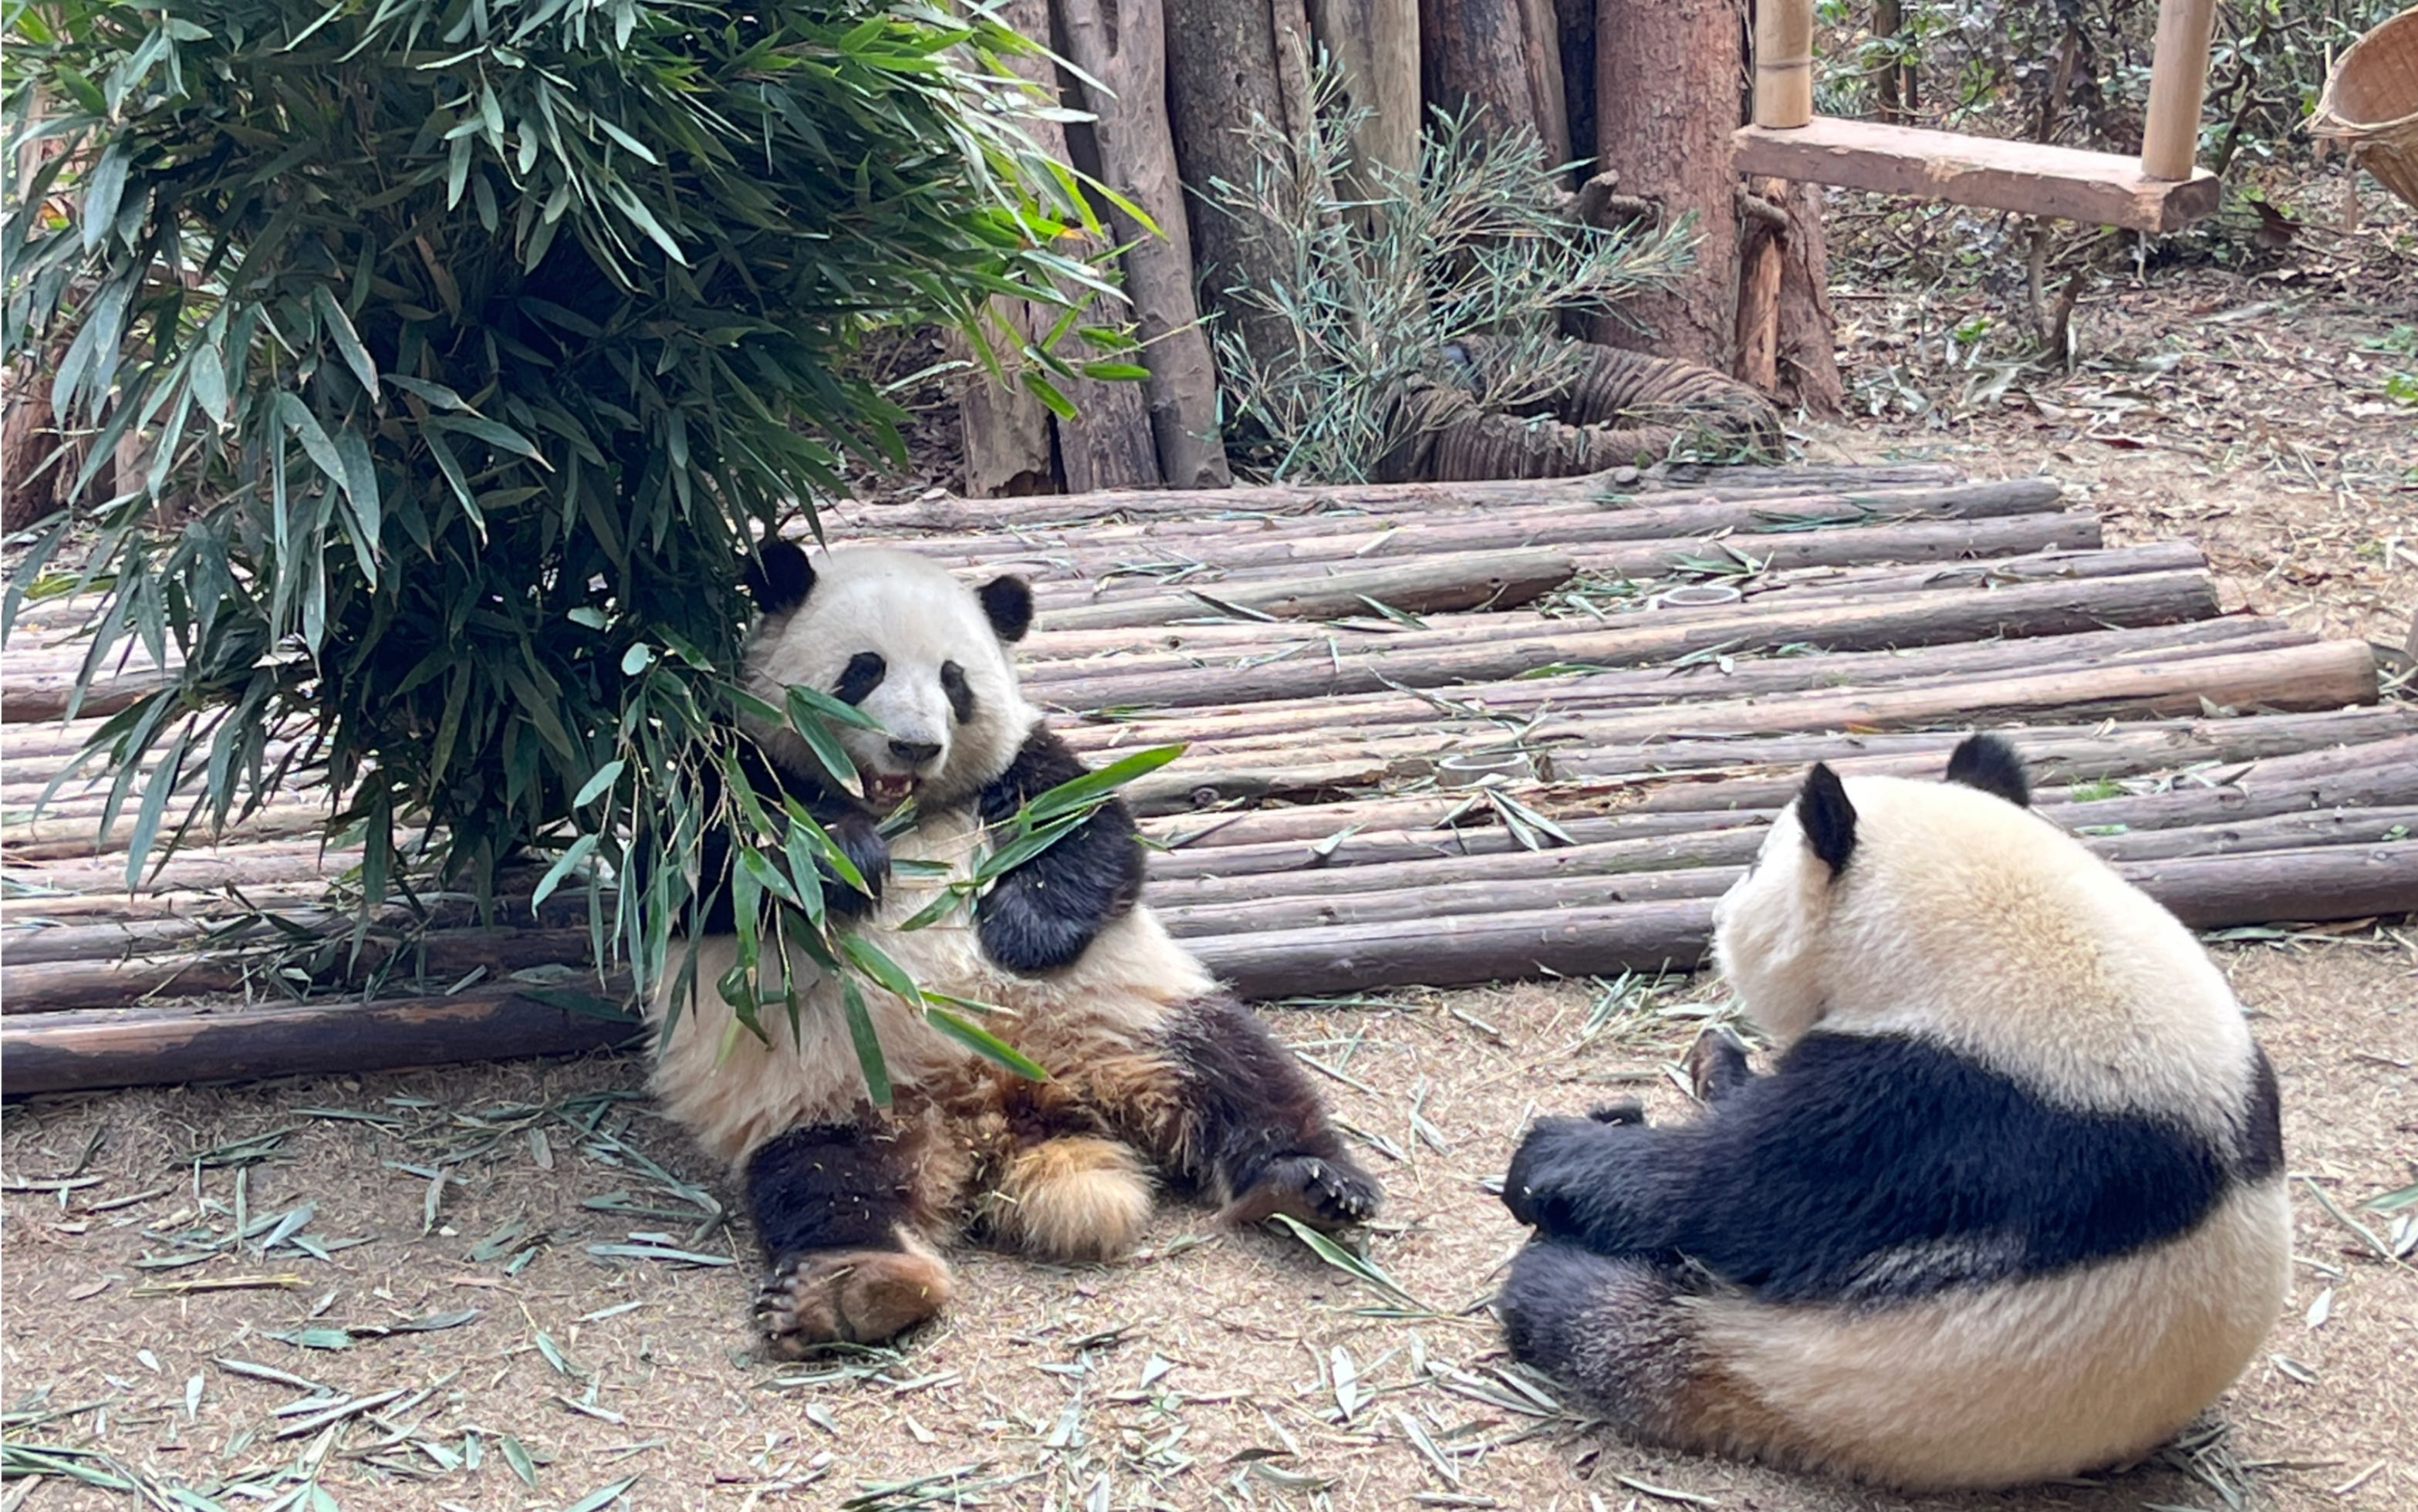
(416, 1316)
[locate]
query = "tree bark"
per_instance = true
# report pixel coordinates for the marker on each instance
(1122, 45)
(1375, 46)
(1229, 72)
(1667, 99)
(1501, 56)
(1014, 446)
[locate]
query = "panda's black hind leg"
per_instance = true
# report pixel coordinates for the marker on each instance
(840, 1212)
(1242, 1121)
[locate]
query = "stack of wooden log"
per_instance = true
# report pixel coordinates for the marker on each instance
(1436, 734)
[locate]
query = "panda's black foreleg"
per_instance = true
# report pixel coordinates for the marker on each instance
(1240, 1120)
(1611, 1186)
(839, 1212)
(1043, 915)
(1717, 1065)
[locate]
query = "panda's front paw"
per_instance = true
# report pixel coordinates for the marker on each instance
(1323, 1191)
(856, 1296)
(1532, 1188)
(1717, 1065)
(858, 834)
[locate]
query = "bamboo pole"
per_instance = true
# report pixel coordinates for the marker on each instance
(2177, 83)
(1783, 63)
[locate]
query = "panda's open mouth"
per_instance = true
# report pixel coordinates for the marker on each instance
(885, 792)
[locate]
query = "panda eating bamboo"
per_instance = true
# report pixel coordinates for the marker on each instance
(1152, 1067)
(2009, 1207)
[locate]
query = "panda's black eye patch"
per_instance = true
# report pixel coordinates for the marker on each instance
(863, 673)
(961, 694)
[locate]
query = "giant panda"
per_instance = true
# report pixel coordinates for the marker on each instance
(1154, 1069)
(2010, 1205)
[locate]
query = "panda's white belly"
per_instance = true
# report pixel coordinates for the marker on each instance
(734, 1092)
(2021, 1383)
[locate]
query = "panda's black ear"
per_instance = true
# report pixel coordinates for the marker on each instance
(1827, 818)
(1008, 601)
(780, 577)
(1990, 764)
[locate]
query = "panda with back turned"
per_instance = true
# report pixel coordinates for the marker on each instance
(1154, 1068)
(2009, 1207)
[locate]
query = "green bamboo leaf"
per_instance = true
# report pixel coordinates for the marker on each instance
(948, 902)
(348, 341)
(103, 190)
(1024, 847)
(316, 444)
(805, 703)
(769, 878)
(817, 735)
(983, 1042)
(573, 855)
(874, 962)
(1093, 787)
(597, 786)
(805, 875)
(868, 1043)
(155, 804)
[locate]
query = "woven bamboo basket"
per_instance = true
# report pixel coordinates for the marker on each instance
(2371, 104)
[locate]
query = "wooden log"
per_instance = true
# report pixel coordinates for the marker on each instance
(1743, 482)
(1340, 534)
(48, 696)
(2027, 177)
(1383, 847)
(1525, 891)
(2178, 81)
(1417, 587)
(2327, 675)
(1767, 595)
(1121, 48)
(116, 1048)
(51, 986)
(1517, 701)
(2218, 892)
(1783, 63)
(2020, 610)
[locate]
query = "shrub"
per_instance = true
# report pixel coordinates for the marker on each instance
(481, 337)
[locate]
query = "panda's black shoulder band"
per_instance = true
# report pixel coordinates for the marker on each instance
(1043, 915)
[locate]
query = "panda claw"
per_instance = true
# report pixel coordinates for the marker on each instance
(1717, 1065)
(861, 1296)
(1319, 1190)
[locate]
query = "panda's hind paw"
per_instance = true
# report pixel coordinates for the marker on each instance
(1322, 1191)
(858, 1296)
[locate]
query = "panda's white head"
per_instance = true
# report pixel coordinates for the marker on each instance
(923, 654)
(1949, 909)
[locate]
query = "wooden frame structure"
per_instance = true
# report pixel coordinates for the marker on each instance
(2161, 190)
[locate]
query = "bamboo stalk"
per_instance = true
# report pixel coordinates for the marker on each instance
(1783, 63)
(2178, 83)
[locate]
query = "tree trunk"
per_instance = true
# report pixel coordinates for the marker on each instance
(1502, 56)
(1122, 45)
(1013, 444)
(1230, 73)
(1374, 45)
(1667, 99)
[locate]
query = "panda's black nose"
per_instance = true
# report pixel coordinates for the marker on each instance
(914, 753)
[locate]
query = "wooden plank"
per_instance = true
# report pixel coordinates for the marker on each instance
(2066, 183)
